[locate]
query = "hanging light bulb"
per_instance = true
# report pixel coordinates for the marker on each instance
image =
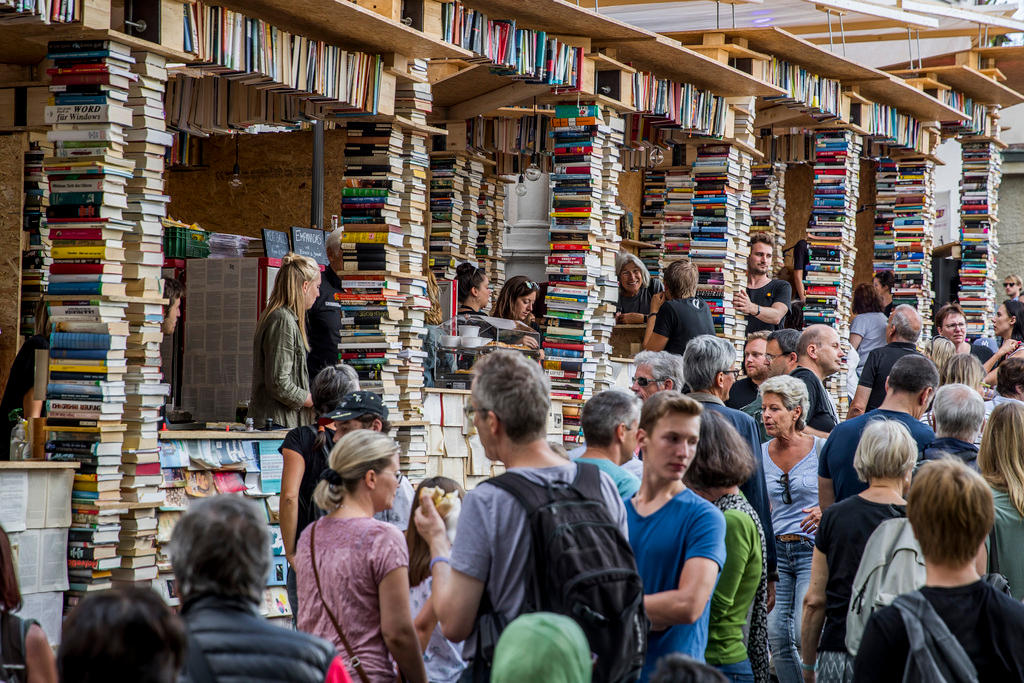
(533, 173)
(521, 186)
(235, 182)
(657, 156)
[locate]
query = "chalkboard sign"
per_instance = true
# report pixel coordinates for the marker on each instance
(275, 243)
(310, 242)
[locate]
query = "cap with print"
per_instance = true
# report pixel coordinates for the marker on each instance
(357, 404)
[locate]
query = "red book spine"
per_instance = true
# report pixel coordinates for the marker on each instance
(63, 268)
(82, 79)
(563, 345)
(76, 234)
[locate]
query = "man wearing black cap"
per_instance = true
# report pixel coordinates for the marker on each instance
(366, 410)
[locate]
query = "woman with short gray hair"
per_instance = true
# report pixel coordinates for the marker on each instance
(790, 461)
(885, 459)
(636, 288)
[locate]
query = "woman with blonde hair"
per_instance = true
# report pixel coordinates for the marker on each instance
(963, 368)
(280, 380)
(939, 350)
(1001, 461)
(353, 571)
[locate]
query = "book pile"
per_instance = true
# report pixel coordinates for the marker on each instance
(768, 206)
(447, 193)
(372, 245)
(35, 259)
(720, 234)
(92, 540)
(886, 176)
(977, 113)
(413, 98)
(46, 11)
(913, 227)
(490, 242)
(471, 189)
(979, 202)
(678, 214)
(606, 286)
(86, 397)
(652, 215)
(831, 238)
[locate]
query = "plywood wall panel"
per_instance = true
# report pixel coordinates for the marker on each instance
(12, 198)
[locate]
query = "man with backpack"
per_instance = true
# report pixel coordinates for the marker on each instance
(547, 535)
(957, 628)
(678, 537)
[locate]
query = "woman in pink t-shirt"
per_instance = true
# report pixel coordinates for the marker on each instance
(361, 565)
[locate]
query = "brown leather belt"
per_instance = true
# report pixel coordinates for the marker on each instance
(789, 538)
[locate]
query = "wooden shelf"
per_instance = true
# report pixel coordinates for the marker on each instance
(1009, 60)
(897, 93)
(636, 244)
(970, 82)
(220, 434)
(347, 25)
(785, 45)
(39, 465)
(26, 43)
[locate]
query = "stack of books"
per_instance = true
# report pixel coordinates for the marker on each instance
(720, 234)
(977, 113)
(372, 301)
(574, 262)
(812, 94)
(605, 286)
(491, 229)
(447, 192)
(678, 214)
(413, 98)
(92, 542)
(979, 202)
(471, 189)
(913, 229)
(35, 259)
(886, 176)
(652, 216)
(768, 206)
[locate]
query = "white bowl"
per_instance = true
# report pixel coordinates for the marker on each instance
(469, 331)
(474, 342)
(450, 341)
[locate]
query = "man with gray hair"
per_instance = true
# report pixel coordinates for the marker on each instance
(656, 371)
(220, 551)
(901, 335)
(708, 369)
(959, 414)
(610, 421)
(323, 319)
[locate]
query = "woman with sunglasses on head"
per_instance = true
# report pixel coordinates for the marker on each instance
(516, 301)
(790, 461)
(474, 288)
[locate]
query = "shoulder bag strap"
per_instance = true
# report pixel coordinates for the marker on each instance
(993, 552)
(352, 658)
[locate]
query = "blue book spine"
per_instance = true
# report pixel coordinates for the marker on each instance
(74, 288)
(79, 340)
(79, 354)
(67, 198)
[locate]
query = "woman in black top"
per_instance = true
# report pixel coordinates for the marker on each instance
(21, 382)
(677, 316)
(883, 282)
(474, 288)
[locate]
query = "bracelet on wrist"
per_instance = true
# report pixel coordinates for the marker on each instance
(809, 667)
(446, 560)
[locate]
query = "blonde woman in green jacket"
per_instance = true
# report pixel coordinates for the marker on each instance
(280, 384)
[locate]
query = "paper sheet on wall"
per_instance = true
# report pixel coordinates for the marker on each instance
(13, 500)
(432, 408)
(53, 560)
(58, 498)
(453, 409)
(35, 502)
(477, 456)
(25, 547)
(47, 609)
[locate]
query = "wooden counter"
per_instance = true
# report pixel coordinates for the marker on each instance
(38, 465)
(219, 435)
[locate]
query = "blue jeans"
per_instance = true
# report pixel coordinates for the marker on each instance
(794, 562)
(740, 672)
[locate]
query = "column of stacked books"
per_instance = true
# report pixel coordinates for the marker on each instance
(414, 98)
(491, 229)
(831, 237)
(447, 185)
(605, 288)
(979, 195)
(678, 214)
(148, 140)
(886, 177)
(913, 228)
(471, 188)
(574, 264)
(768, 206)
(372, 245)
(652, 216)
(87, 176)
(35, 258)
(718, 234)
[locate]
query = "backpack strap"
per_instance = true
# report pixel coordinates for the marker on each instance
(935, 653)
(588, 481)
(531, 496)
(993, 552)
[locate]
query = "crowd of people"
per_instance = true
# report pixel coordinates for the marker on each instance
(722, 522)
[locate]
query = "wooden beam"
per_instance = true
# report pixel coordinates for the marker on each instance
(907, 19)
(902, 35)
(933, 9)
(509, 95)
(867, 25)
(589, 4)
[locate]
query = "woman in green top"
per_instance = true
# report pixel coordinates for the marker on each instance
(1002, 465)
(723, 462)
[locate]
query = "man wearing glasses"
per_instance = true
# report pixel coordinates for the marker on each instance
(1012, 285)
(709, 369)
(656, 371)
(951, 323)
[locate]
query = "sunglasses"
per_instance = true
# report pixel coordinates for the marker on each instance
(644, 382)
(1009, 284)
(531, 285)
(787, 494)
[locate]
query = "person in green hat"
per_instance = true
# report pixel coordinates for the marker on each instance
(542, 646)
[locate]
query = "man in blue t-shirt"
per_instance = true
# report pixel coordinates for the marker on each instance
(678, 538)
(610, 422)
(908, 392)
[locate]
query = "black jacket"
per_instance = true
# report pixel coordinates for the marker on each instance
(940, 448)
(240, 646)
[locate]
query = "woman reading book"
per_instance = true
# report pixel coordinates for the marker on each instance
(280, 383)
(515, 302)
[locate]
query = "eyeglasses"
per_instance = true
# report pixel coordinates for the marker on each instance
(734, 372)
(787, 495)
(1009, 284)
(770, 357)
(644, 382)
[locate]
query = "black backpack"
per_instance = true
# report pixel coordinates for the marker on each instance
(13, 631)
(583, 567)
